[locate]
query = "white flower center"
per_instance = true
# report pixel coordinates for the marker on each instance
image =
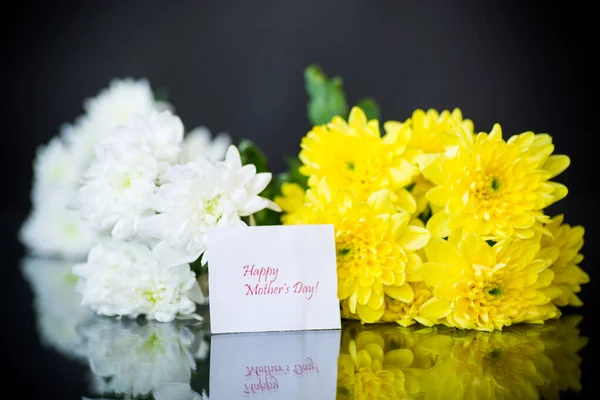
(213, 209)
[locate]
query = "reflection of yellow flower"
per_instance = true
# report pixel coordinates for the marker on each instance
(568, 276)
(494, 188)
(375, 247)
(477, 286)
(520, 362)
(354, 156)
(366, 371)
(563, 344)
(498, 365)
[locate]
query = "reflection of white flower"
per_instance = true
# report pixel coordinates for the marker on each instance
(198, 143)
(131, 359)
(199, 195)
(203, 350)
(177, 391)
(56, 302)
(52, 229)
(129, 279)
(119, 185)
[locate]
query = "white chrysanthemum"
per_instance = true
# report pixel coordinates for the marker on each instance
(198, 143)
(113, 107)
(122, 99)
(56, 303)
(54, 169)
(131, 359)
(60, 164)
(129, 279)
(54, 230)
(118, 189)
(129, 163)
(159, 134)
(200, 195)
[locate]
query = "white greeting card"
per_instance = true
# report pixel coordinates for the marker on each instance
(274, 365)
(272, 278)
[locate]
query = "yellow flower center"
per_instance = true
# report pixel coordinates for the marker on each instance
(486, 187)
(357, 252)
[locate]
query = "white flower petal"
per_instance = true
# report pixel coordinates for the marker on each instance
(232, 158)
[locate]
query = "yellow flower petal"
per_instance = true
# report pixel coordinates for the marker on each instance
(414, 238)
(556, 164)
(380, 201)
(433, 273)
(346, 288)
(431, 168)
(363, 294)
(368, 314)
(402, 293)
(439, 225)
(405, 201)
(438, 196)
(442, 252)
(376, 301)
(435, 309)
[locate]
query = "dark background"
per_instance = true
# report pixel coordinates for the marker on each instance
(237, 66)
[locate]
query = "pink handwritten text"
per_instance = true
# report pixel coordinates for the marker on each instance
(307, 367)
(266, 289)
(267, 384)
(267, 274)
(307, 290)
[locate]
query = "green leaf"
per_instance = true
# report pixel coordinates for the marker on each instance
(251, 154)
(326, 96)
(370, 108)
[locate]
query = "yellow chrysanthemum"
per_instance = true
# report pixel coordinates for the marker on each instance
(494, 188)
(375, 246)
(480, 287)
(354, 156)
(568, 276)
(418, 189)
(406, 314)
(428, 129)
(367, 371)
(291, 203)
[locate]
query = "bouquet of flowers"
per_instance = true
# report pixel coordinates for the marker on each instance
(434, 222)
(127, 187)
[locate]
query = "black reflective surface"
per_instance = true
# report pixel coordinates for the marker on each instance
(64, 351)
